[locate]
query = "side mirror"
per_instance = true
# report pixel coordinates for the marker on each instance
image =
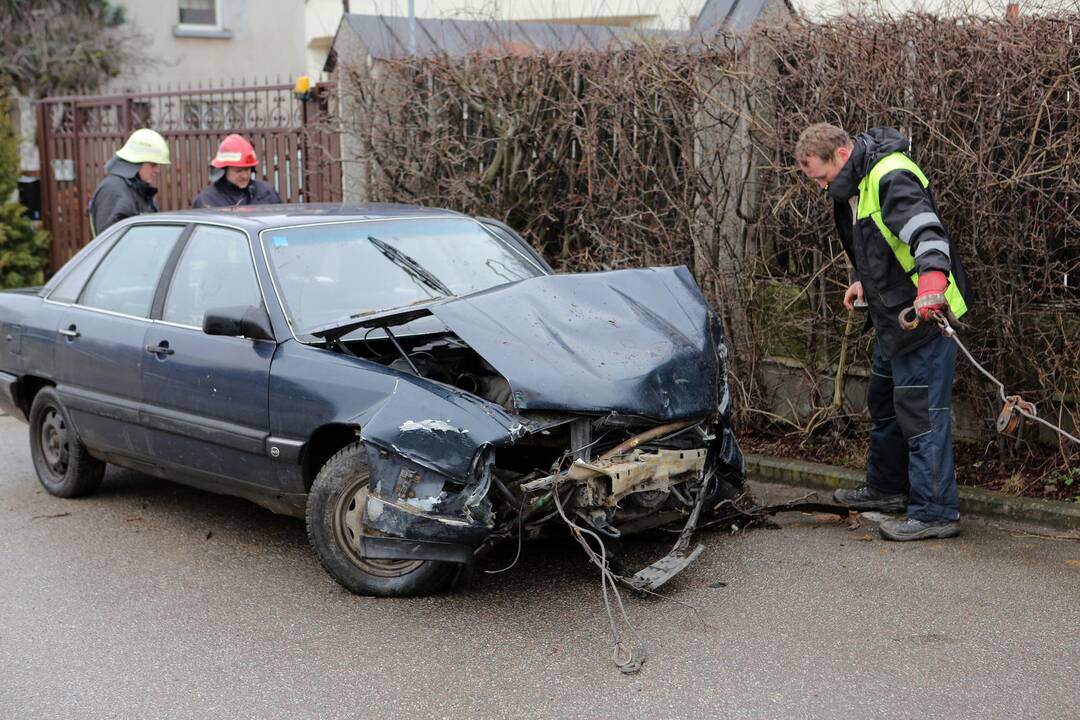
(248, 321)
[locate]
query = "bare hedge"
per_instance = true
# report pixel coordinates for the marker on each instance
(671, 154)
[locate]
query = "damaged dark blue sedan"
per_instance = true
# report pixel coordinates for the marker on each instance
(418, 384)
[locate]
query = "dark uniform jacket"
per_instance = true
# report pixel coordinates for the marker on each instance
(909, 212)
(223, 193)
(122, 194)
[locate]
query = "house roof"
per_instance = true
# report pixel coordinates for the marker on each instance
(731, 15)
(387, 37)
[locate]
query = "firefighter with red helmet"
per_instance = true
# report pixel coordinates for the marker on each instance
(231, 181)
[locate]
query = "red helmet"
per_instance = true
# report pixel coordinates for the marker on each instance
(235, 151)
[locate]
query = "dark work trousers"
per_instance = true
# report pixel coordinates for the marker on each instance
(911, 437)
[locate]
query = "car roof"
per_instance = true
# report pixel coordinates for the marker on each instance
(259, 217)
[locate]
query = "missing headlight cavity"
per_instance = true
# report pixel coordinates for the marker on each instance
(442, 357)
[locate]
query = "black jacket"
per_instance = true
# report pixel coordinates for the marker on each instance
(908, 210)
(223, 193)
(122, 194)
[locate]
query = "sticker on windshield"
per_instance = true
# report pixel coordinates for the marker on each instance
(280, 241)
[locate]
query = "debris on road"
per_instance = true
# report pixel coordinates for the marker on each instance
(49, 517)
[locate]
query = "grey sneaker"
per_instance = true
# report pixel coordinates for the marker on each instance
(867, 498)
(912, 529)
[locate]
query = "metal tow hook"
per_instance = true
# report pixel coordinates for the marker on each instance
(903, 318)
(912, 312)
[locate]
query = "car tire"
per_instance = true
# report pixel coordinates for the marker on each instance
(63, 464)
(334, 505)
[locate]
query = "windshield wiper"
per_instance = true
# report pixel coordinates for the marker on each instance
(410, 266)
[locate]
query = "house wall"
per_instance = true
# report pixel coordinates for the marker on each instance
(355, 166)
(260, 40)
(24, 121)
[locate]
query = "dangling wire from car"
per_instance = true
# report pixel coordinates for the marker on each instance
(520, 532)
(627, 657)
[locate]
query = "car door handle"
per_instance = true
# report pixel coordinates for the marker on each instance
(69, 332)
(162, 349)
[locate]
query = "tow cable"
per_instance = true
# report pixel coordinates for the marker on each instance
(628, 650)
(1013, 406)
(629, 653)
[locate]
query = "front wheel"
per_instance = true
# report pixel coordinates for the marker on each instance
(334, 509)
(63, 464)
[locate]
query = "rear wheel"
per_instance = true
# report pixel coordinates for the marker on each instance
(63, 464)
(334, 512)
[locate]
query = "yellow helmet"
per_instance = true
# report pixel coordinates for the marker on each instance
(145, 146)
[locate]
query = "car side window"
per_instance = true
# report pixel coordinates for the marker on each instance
(126, 279)
(67, 291)
(215, 271)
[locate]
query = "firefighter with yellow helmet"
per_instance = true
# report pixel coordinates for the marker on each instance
(129, 187)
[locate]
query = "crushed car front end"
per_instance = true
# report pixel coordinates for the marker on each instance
(494, 397)
(604, 393)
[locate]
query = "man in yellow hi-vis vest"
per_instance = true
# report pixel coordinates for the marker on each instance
(902, 255)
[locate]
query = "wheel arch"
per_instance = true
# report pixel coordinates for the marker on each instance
(29, 386)
(325, 442)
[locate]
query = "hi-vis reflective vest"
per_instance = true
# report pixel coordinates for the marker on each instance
(870, 207)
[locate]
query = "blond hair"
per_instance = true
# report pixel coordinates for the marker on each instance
(820, 140)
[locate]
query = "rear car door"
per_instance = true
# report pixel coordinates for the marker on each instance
(206, 397)
(99, 347)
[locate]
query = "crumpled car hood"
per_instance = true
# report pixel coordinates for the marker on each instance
(631, 341)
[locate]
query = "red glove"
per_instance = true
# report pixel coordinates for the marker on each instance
(931, 295)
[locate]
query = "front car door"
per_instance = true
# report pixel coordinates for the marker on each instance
(100, 324)
(205, 397)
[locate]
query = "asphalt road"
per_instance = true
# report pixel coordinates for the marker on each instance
(151, 600)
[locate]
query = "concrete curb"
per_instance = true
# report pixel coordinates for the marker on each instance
(976, 501)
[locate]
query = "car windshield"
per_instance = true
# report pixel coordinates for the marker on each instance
(331, 273)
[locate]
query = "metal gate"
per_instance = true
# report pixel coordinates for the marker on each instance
(78, 134)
